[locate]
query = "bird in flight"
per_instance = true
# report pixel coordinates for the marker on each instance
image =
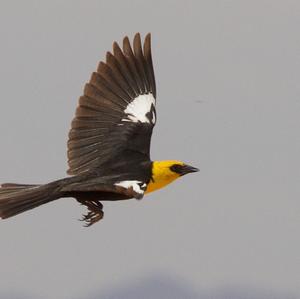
(109, 140)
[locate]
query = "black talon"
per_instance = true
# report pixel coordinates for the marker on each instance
(94, 214)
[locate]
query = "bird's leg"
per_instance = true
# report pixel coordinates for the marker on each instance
(95, 212)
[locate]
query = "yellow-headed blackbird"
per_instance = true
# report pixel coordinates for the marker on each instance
(109, 140)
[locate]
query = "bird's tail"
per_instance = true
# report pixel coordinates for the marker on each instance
(18, 198)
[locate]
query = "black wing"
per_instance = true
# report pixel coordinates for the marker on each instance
(117, 111)
(106, 188)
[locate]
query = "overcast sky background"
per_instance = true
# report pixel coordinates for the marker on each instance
(228, 102)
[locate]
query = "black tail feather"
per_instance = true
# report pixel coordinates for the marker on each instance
(18, 198)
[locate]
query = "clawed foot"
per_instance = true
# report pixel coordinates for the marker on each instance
(95, 212)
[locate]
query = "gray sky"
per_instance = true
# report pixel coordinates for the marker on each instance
(228, 102)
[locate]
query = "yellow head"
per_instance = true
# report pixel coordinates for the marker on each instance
(165, 172)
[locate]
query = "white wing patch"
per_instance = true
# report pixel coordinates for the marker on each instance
(141, 109)
(138, 187)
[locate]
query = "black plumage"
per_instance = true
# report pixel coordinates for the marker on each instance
(106, 144)
(118, 82)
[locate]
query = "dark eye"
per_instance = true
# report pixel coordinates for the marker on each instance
(176, 168)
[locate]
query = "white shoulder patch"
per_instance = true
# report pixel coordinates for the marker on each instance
(141, 109)
(137, 186)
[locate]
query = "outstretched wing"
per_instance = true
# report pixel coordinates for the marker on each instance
(117, 111)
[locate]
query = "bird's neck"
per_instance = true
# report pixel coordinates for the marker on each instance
(161, 175)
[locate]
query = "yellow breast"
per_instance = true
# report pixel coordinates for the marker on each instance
(162, 175)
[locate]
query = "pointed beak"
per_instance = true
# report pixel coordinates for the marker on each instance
(188, 169)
